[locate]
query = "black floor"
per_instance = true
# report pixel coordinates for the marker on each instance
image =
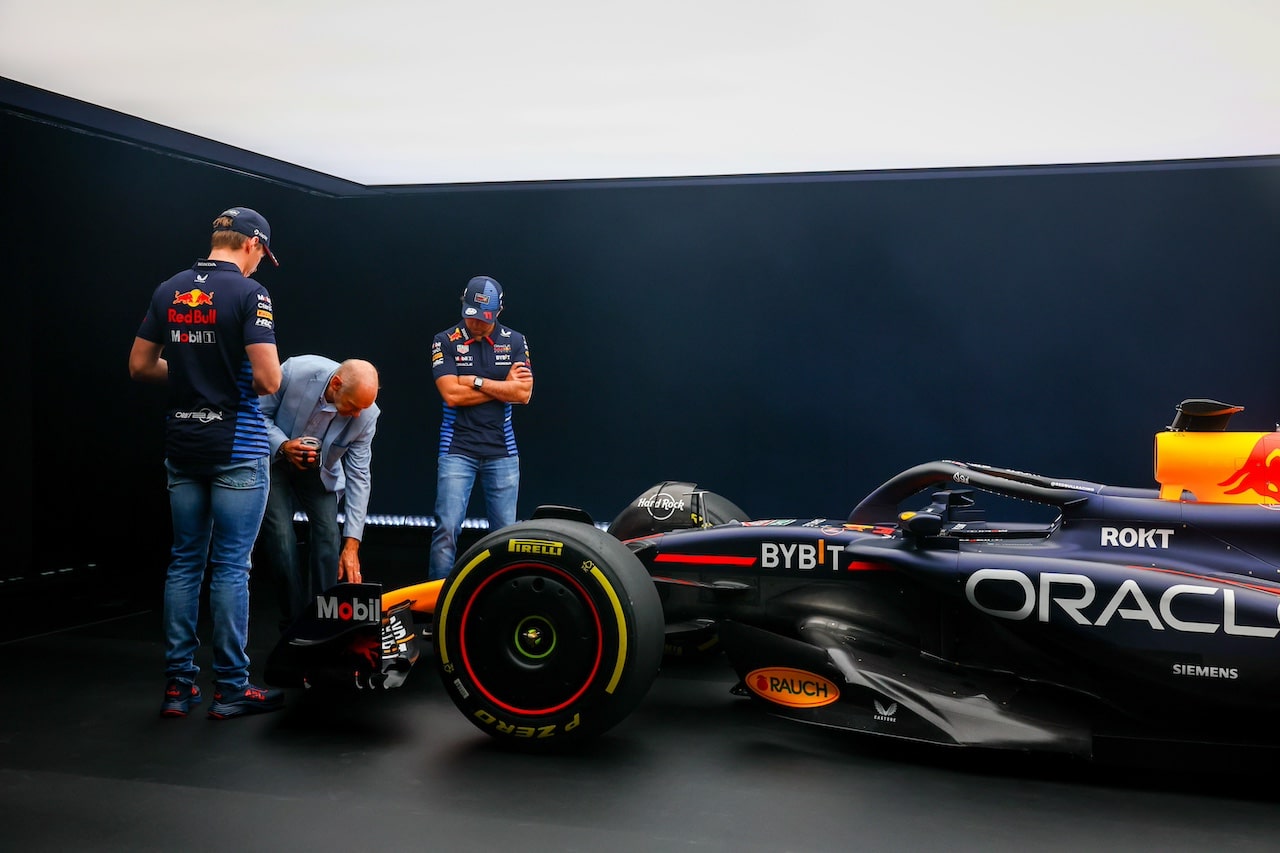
(86, 764)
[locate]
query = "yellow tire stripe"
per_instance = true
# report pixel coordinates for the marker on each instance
(619, 664)
(621, 622)
(441, 633)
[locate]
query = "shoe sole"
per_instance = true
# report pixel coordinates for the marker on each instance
(178, 708)
(227, 712)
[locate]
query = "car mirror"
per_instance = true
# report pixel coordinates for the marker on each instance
(921, 523)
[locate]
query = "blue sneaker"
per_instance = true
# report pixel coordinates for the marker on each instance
(249, 699)
(179, 696)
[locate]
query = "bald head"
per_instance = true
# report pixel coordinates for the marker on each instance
(354, 387)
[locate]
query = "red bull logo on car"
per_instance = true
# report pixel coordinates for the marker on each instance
(1220, 467)
(1260, 473)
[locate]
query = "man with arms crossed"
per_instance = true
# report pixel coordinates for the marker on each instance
(481, 369)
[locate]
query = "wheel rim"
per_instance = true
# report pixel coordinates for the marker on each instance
(530, 639)
(535, 637)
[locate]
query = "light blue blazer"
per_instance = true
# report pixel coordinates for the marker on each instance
(347, 446)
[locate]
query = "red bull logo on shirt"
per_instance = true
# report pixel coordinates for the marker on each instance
(192, 298)
(194, 317)
(195, 300)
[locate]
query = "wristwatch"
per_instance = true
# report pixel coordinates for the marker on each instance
(477, 383)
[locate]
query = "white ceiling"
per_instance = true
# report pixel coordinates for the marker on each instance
(427, 92)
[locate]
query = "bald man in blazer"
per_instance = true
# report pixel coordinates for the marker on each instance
(320, 424)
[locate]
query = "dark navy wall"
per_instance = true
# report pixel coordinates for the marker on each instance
(788, 343)
(792, 344)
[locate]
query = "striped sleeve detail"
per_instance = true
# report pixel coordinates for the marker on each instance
(446, 429)
(250, 440)
(508, 430)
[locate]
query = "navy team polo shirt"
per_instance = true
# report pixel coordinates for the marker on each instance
(483, 431)
(204, 317)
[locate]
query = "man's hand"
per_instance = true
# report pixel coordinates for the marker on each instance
(300, 455)
(349, 561)
(520, 372)
(521, 379)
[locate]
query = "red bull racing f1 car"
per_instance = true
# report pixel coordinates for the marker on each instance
(1135, 612)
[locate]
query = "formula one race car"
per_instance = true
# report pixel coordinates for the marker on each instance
(1135, 612)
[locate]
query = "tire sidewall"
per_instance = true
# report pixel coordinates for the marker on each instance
(604, 583)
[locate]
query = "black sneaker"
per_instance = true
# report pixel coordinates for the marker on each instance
(179, 696)
(247, 700)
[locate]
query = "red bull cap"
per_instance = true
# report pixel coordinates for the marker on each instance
(251, 224)
(482, 299)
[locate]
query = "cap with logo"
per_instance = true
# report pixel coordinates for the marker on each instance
(482, 300)
(251, 223)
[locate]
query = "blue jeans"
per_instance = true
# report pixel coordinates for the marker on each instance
(216, 511)
(277, 548)
(455, 476)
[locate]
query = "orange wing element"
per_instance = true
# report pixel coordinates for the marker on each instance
(1219, 467)
(421, 597)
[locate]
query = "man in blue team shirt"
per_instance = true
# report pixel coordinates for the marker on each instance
(209, 334)
(481, 368)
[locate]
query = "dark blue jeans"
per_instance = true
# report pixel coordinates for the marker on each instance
(455, 477)
(216, 511)
(277, 549)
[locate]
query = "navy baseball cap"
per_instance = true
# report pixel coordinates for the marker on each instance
(250, 223)
(482, 300)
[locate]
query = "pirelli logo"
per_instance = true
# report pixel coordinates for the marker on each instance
(535, 546)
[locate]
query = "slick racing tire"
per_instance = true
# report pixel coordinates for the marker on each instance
(548, 633)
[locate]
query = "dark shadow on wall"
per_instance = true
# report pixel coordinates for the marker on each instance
(789, 343)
